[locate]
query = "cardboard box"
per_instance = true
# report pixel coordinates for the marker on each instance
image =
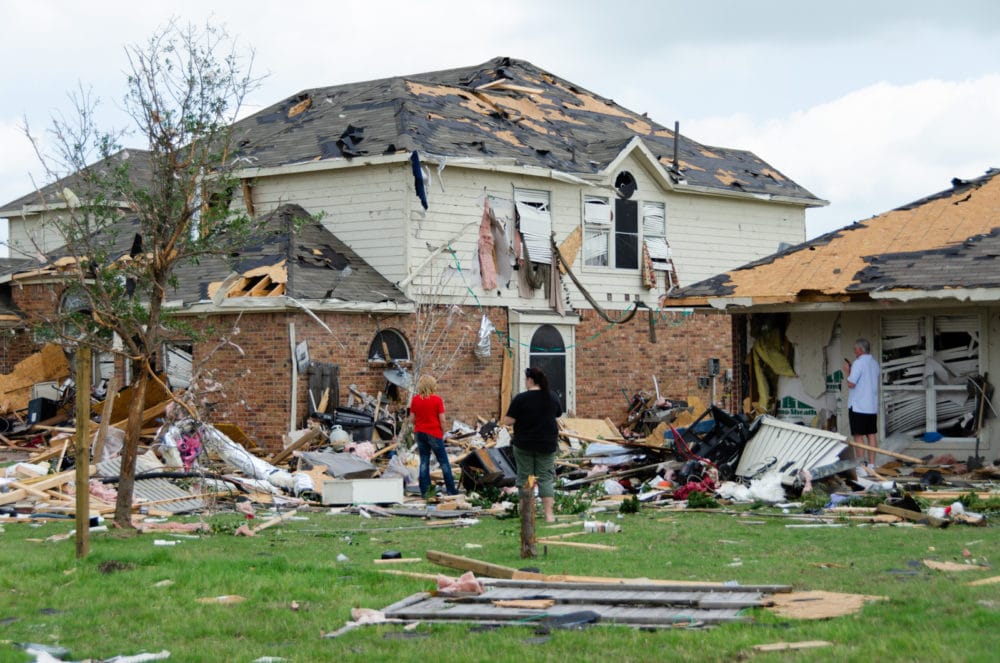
(363, 491)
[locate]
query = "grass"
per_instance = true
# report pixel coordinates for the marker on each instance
(130, 596)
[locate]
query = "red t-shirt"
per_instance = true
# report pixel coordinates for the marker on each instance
(426, 411)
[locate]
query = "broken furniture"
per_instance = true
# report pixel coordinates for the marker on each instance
(488, 467)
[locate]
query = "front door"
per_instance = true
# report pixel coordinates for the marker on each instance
(548, 353)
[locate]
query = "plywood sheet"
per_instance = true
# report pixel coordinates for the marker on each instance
(592, 428)
(46, 365)
(819, 604)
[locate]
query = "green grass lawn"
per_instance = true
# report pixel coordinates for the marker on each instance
(130, 595)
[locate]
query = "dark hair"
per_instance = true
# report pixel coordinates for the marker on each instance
(538, 377)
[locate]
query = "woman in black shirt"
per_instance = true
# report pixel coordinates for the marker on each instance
(533, 414)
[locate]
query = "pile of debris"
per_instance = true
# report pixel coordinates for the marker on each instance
(661, 455)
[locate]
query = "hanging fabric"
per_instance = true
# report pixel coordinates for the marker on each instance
(648, 275)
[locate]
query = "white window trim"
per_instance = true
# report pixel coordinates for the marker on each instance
(524, 324)
(534, 211)
(597, 225)
(656, 244)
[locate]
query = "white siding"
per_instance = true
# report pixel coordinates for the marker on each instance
(32, 232)
(365, 207)
(375, 210)
(711, 235)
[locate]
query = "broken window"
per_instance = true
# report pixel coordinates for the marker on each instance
(535, 223)
(654, 234)
(177, 360)
(389, 347)
(929, 367)
(596, 231)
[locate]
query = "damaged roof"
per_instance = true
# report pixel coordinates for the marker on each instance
(309, 263)
(140, 171)
(501, 110)
(943, 243)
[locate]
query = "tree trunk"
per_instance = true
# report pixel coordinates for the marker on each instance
(130, 449)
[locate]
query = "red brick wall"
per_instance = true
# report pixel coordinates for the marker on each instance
(610, 358)
(254, 370)
(256, 385)
(16, 344)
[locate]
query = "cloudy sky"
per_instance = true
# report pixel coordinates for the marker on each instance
(869, 104)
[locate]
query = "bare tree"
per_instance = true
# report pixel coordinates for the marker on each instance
(127, 227)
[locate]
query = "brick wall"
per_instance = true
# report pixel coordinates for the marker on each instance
(613, 358)
(254, 369)
(17, 343)
(256, 378)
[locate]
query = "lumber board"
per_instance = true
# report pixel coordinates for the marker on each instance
(577, 544)
(913, 516)
(785, 646)
(908, 459)
(307, 438)
(478, 567)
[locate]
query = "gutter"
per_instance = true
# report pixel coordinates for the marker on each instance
(284, 303)
(492, 165)
(982, 295)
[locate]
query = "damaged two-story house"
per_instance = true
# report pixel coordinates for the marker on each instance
(439, 205)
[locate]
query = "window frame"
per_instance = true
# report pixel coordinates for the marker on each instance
(592, 228)
(926, 383)
(375, 357)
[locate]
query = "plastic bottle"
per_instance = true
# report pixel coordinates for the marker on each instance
(599, 526)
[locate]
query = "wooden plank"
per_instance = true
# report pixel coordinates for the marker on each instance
(147, 414)
(468, 564)
(102, 431)
(785, 646)
(912, 516)
(12, 496)
(307, 438)
(506, 382)
(537, 604)
(908, 459)
(577, 544)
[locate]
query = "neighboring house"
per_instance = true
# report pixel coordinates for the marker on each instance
(30, 232)
(921, 282)
(453, 186)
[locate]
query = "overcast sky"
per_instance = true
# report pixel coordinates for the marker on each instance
(868, 104)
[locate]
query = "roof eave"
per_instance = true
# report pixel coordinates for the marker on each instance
(764, 197)
(984, 295)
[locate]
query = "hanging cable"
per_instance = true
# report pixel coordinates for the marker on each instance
(597, 307)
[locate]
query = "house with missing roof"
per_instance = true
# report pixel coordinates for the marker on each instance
(921, 282)
(477, 221)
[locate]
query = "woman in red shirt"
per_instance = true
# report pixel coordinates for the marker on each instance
(427, 417)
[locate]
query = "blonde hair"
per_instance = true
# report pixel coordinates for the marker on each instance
(426, 385)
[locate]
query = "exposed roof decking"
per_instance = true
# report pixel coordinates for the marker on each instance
(943, 241)
(503, 109)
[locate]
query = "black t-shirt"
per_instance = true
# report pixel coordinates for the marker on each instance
(534, 413)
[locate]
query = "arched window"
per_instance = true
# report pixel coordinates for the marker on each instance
(548, 353)
(389, 347)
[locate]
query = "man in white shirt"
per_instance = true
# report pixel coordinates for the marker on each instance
(862, 399)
